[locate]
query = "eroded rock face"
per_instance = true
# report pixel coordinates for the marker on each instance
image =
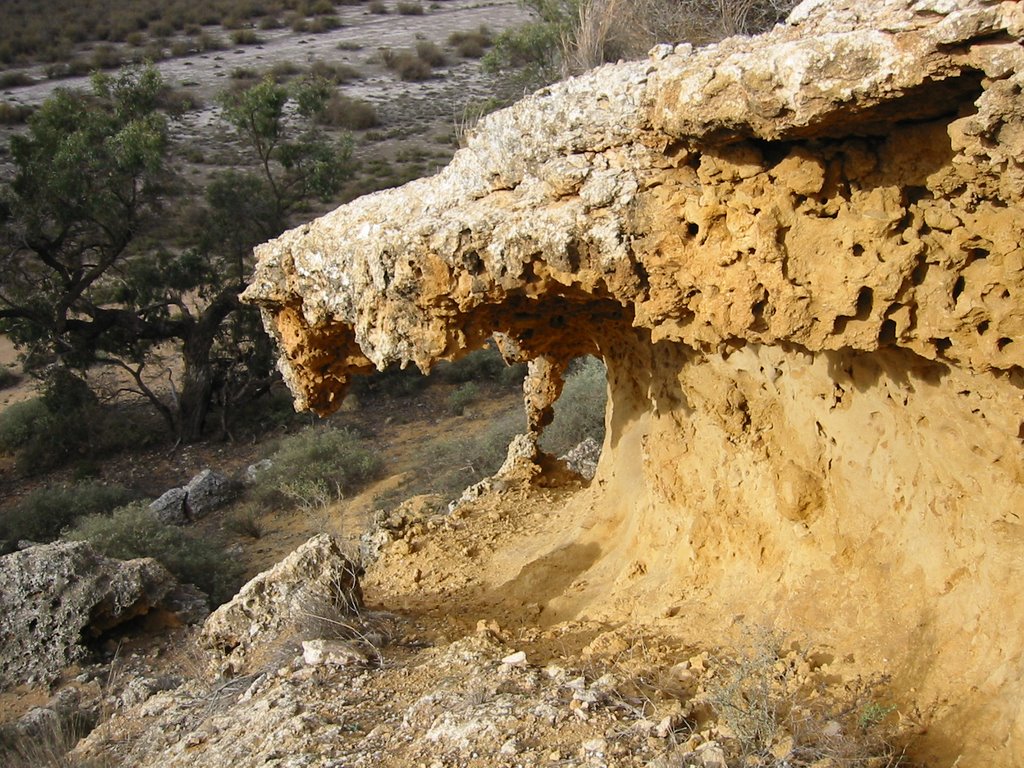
(56, 600)
(316, 583)
(800, 258)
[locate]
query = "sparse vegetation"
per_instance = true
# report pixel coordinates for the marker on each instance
(407, 65)
(406, 8)
(377, 7)
(777, 720)
(462, 396)
(575, 35)
(579, 412)
(42, 514)
(133, 531)
(316, 467)
(349, 113)
(471, 45)
(430, 53)
(246, 520)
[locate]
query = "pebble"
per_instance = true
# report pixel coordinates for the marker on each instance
(517, 659)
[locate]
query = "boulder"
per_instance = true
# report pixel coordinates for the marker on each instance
(169, 508)
(209, 491)
(205, 493)
(583, 458)
(315, 583)
(59, 600)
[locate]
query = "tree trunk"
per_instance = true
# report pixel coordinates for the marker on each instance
(199, 374)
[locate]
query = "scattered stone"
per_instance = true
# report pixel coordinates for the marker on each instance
(517, 659)
(253, 471)
(332, 653)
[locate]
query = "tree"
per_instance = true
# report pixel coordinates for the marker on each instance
(83, 281)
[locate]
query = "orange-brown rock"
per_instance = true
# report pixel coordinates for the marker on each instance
(801, 258)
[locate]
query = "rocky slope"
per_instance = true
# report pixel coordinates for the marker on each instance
(800, 258)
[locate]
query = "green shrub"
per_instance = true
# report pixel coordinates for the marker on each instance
(44, 513)
(462, 396)
(533, 46)
(134, 531)
(349, 113)
(316, 467)
(579, 412)
(410, 9)
(377, 7)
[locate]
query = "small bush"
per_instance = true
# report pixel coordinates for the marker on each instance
(346, 45)
(270, 22)
(18, 423)
(471, 45)
(134, 531)
(377, 7)
(334, 73)
(348, 113)
(579, 412)
(322, 24)
(14, 114)
(316, 467)
(463, 395)
(284, 70)
(245, 37)
(206, 41)
(410, 9)
(408, 67)
(14, 79)
(44, 513)
(430, 53)
(245, 521)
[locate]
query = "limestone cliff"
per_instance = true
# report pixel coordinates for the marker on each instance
(801, 258)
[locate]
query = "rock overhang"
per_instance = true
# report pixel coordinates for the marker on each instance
(800, 256)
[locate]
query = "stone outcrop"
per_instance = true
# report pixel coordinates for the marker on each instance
(315, 585)
(206, 492)
(800, 257)
(58, 601)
